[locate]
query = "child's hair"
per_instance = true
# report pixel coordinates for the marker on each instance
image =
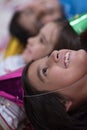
(47, 112)
(68, 38)
(16, 30)
(83, 37)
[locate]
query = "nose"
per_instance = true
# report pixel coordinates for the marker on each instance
(54, 57)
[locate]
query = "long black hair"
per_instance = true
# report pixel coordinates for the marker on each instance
(83, 37)
(47, 112)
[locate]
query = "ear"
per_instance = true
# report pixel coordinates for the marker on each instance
(68, 104)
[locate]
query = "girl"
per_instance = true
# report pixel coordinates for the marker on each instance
(56, 91)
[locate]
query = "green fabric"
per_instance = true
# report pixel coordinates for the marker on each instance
(79, 23)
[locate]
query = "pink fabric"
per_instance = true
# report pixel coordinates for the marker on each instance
(13, 74)
(11, 87)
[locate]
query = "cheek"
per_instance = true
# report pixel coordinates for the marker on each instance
(76, 73)
(60, 77)
(39, 51)
(57, 76)
(78, 68)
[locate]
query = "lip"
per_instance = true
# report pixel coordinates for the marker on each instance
(67, 59)
(64, 58)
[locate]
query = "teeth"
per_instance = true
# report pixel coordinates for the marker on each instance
(67, 59)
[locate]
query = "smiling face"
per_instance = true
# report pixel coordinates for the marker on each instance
(61, 69)
(43, 43)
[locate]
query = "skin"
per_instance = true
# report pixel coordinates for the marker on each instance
(51, 73)
(38, 13)
(42, 44)
(51, 9)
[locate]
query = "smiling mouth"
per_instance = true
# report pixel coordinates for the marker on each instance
(67, 59)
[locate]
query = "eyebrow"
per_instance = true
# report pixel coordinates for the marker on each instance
(39, 75)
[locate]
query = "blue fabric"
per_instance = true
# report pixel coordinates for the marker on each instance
(73, 7)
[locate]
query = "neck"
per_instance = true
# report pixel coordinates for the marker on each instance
(77, 92)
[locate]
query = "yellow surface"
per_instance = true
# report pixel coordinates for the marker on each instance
(14, 47)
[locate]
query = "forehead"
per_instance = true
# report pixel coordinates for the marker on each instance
(50, 30)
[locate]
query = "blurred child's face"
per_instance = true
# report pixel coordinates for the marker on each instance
(37, 14)
(53, 10)
(42, 44)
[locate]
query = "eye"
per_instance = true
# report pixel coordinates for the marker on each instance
(49, 54)
(41, 40)
(44, 71)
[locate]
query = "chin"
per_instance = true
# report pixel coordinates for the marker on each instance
(83, 51)
(83, 58)
(83, 55)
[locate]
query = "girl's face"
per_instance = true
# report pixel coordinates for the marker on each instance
(43, 43)
(61, 69)
(38, 13)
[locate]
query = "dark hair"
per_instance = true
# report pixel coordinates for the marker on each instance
(67, 38)
(83, 37)
(48, 112)
(16, 30)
